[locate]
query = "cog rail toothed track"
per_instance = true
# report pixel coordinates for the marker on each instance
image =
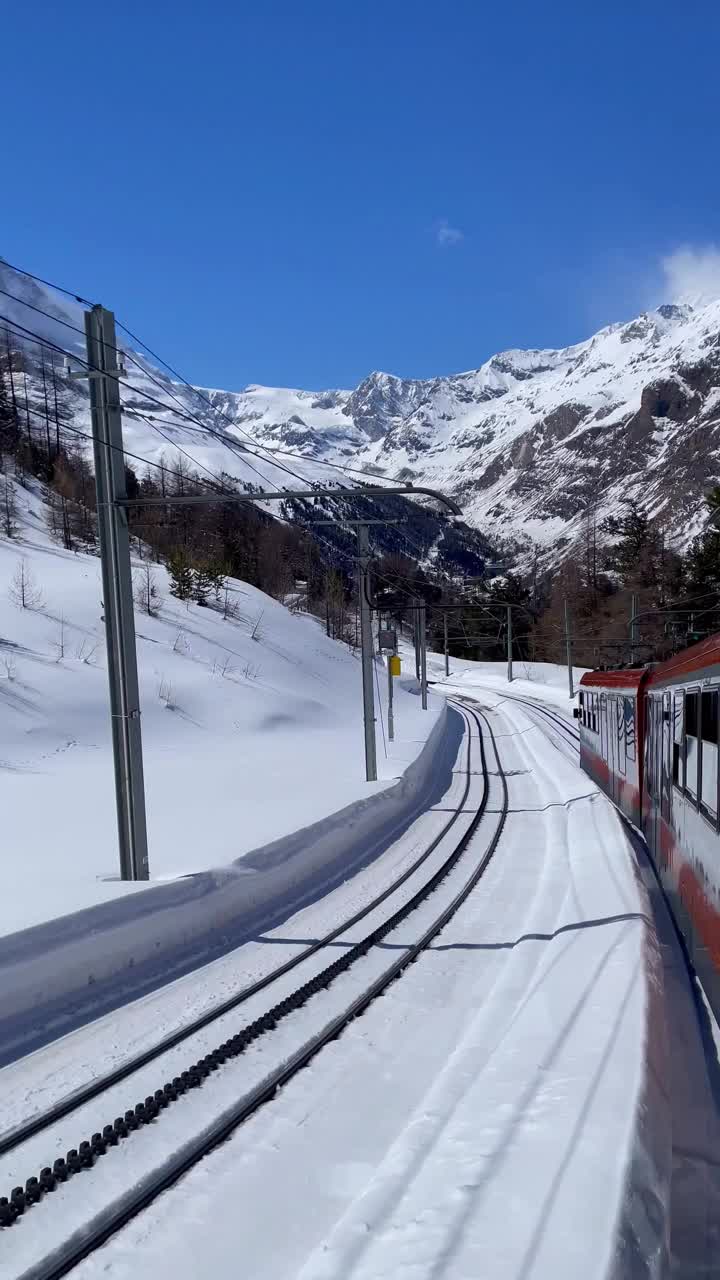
(16, 1136)
(107, 1221)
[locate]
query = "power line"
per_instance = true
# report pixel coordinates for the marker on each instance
(47, 342)
(126, 452)
(243, 453)
(75, 328)
(195, 390)
(286, 453)
(266, 449)
(48, 314)
(68, 292)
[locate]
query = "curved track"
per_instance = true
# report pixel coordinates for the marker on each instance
(553, 718)
(67, 1252)
(14, 1137)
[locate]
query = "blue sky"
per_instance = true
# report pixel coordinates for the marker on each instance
(298, 193)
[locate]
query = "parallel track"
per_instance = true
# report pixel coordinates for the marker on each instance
(107, 1222)
(558, 721)
(42, 1120)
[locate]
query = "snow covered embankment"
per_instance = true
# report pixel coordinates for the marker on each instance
(65, 972)
(252, 731)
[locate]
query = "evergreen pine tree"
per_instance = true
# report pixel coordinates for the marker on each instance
(202, 584)
(181, 575)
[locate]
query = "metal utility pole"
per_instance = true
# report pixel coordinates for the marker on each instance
(509, 644)
(568, 646)
(416, 638)
(634, 609)
(366, 652)
(391, 717)
(117, 592)
(445, 642)
(423, 656)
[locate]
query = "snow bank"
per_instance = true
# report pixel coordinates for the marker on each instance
(252, 729)
(62, 973)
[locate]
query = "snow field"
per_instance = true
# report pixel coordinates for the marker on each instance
(495, 1087)
(245, 739)
(74, 1204)
(36, 1082)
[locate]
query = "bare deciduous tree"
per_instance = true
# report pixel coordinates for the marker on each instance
(24, 591)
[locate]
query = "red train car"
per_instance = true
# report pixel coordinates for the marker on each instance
(611, 735)
(650, 739)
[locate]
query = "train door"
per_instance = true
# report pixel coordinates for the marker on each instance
(611, 750)
(653, 769)
(666, 757)
(603, 728)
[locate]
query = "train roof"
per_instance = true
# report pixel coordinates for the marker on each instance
(701, 658)
(629, 678)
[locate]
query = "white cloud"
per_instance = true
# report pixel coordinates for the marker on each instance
(692, 275)
(447, 235)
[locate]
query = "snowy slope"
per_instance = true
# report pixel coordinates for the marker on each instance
(526, 442)
(245, 739)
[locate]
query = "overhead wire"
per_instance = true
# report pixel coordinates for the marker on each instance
(31, 335)
(69, 293)
(273, 451)
(203, 426)
(233, 447)
(148, 462)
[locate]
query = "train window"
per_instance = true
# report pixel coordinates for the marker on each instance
(582, 707)
(677, 737)
(709, 766)
(594, 712)
(692, 746)
(629, 728)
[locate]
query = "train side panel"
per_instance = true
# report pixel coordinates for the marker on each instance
(611, 722)
(681, 811)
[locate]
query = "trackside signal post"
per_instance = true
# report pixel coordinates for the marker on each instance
(103, 375)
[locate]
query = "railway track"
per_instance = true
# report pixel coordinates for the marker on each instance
(553, 718)
(142, 1150)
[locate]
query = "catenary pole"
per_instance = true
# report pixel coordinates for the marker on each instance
(366, 652)
(391, 716)
(423, 656)
(445, 643)
(634, 629)
(509, 644)
(568, 645)
(117, 592)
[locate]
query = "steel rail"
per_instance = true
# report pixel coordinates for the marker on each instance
(14, 1137)
(145, 1191)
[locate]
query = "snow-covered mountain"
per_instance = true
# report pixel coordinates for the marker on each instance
(527, 442)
